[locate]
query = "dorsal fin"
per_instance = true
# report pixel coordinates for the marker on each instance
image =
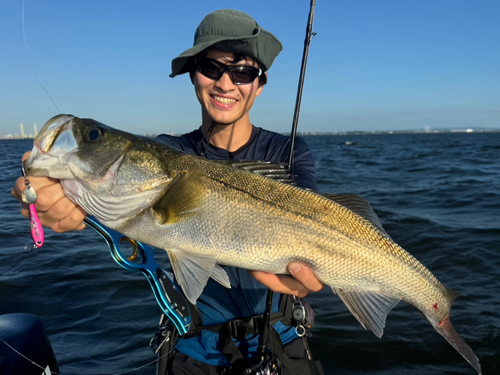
(358, 205)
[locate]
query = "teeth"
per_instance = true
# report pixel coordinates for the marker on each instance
(222, 100)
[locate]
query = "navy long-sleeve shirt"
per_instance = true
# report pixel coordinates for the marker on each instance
(262, 145)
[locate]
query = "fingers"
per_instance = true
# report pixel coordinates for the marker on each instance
(305, 276)
(72, 221)
(54, 209)
(300, 283)
(26, 155)
(50, 195)
(280, 283)
(37, 183)
(17, 189)
(62, 216)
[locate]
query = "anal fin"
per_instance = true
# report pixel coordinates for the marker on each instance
(369, 308)
(219, 275)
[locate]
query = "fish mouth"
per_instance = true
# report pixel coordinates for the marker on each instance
(52, 131)
(54, 140)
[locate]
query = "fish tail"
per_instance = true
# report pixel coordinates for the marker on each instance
(445, 329)
(453, 294)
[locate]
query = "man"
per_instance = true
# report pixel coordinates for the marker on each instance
(227, 66)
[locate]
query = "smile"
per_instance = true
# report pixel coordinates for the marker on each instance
(223, 100)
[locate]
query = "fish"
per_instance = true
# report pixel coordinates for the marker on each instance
(205, 214)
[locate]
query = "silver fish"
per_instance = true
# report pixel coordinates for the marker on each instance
(205, 214)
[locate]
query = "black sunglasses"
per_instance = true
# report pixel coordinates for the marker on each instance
(240, 74)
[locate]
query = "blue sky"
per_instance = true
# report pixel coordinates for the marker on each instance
(373, 65)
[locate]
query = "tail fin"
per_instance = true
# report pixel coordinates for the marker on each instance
(446, 330)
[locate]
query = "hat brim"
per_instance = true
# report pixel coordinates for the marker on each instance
(180, 63)
(249, 45)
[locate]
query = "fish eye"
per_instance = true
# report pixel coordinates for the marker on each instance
(95, 134)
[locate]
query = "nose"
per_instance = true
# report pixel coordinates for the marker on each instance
(225, 83)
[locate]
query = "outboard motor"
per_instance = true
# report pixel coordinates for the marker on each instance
(26, 334)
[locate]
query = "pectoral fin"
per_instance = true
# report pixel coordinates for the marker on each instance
(192, 273)
(369, 308)
(185, 193)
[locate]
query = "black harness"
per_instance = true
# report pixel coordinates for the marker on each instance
(163, 343)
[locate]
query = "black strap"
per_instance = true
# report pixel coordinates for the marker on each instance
(228, 347)
(299, 366)
(239, 328)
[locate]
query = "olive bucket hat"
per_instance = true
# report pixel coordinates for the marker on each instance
(231, 31)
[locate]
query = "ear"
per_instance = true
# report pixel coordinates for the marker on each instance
(259, 89)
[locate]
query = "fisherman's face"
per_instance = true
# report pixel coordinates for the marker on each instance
(222, 101)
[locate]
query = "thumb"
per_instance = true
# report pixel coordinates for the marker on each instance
(26, 156)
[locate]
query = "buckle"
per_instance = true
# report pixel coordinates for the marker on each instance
(162, 336)
(239, 328)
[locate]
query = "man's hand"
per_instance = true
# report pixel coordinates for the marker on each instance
(54, 209)
(300, 283)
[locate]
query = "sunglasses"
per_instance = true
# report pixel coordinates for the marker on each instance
(240, 74)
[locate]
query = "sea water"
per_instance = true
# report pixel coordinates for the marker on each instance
(437, 195)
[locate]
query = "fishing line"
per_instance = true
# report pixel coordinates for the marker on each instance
(31, 60)
(20, 354)
(207, 137)
(48, 94)
(82, 373)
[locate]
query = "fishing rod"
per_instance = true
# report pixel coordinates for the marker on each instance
(307, 42)
(263, 337)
